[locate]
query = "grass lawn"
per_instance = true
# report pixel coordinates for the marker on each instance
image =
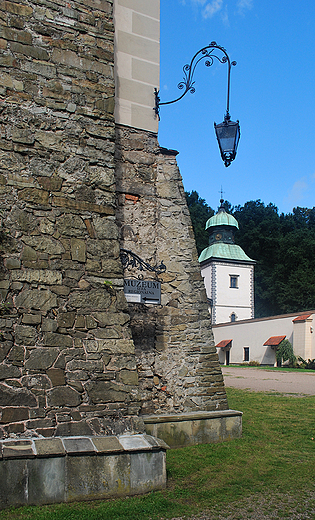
(279, 369)
(271, 469)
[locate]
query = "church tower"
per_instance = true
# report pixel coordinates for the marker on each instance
(227, 271)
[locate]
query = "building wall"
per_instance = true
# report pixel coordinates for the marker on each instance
(227, 300)
(304, 341)
(67, 364)
(254, 333)
(176, 358)
(137, 62)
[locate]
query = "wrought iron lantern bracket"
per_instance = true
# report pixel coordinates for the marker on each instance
(206, 53)
(228, 132)
(131, 260)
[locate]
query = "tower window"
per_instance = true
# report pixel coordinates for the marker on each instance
(234, 281)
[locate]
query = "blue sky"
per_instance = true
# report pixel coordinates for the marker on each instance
(272, 95)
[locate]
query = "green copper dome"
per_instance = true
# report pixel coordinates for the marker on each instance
(224, 251)
(222, 218)
(221, 239)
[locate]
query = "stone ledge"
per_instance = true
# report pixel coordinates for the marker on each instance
(53, 470)
(78, 445)
(189, 416)
(189, 429)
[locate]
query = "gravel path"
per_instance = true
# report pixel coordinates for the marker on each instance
(264, 380)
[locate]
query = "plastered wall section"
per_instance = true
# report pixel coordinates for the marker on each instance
(228, 300)
(137, 62)
(303, 338)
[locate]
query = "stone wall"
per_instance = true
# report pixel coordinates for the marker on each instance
(67, 363)
(177, 361)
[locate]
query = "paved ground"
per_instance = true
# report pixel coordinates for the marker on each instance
(264, 380)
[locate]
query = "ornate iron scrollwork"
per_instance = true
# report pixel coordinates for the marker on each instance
(189, 69)
(131, 260)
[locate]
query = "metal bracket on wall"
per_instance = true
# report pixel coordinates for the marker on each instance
(131, 260)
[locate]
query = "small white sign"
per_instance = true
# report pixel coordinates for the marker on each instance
(142, 291)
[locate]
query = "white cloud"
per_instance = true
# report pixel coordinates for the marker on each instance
(225, 17)
(212, 8)
(296, 194)
(243, 5)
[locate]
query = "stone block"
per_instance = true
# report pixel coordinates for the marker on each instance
(34, 196)
(71, 225)
(37, 276)
(53, 183)
(29, 50)
(10, 414)
(115, 346)
(49, 325)
(129, 377)
(9, 371)
(31, 319)
(44, 244)
(188, 429)
(18, 449)
(16, 355)
(53, 339)
(147, 470)
(63, 396)
(25, 335)
(36, 381)
(49, 447)
(14, 35)
(95, 299)
(73, 428)
(56, 376)
(107, 444)
(104, 392)
(64, 202)
(19, 9)
(78, 250)
(41, 358)
(43, 300)
(13, 263)
(46, 480)
(76, 446)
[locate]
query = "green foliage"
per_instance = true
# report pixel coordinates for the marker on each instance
(253, 364)
(309, 364)
(282, 245)
(285, 352)
(200, 212)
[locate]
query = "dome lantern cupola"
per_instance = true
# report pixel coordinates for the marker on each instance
(221, 227)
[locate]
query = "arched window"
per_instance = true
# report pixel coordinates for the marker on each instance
(233, 316)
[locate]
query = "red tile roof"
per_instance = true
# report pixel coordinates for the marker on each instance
(303, 317)
(223, 343)
(274, 341)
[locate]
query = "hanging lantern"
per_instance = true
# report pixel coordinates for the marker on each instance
(228, 135)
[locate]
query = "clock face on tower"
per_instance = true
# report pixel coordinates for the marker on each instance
(218, 236)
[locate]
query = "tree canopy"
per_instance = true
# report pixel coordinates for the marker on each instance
(283, 246)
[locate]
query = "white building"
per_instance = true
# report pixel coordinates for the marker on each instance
(257, 339)
(227, 271)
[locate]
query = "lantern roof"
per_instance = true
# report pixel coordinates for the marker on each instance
(222, 251)
(222, 218)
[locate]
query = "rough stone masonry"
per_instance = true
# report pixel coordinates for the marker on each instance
(75, 358)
